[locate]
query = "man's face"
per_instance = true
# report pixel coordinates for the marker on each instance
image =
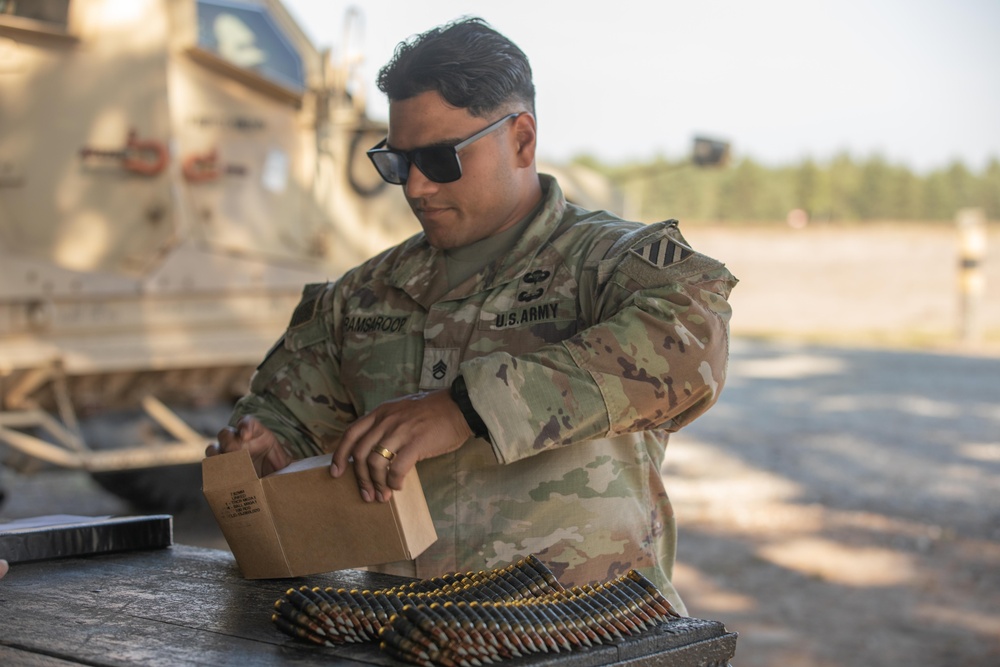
(489, 197)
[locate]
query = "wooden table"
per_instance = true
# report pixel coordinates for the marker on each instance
(190, 606)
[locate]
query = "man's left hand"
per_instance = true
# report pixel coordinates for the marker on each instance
(386, 443)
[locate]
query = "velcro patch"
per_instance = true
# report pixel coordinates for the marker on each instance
(306, 310)
(663, 252)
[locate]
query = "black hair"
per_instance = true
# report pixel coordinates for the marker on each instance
(468, 63)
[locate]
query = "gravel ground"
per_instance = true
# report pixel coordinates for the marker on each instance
(840, 505)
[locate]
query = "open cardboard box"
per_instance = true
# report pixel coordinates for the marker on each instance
(301, 521)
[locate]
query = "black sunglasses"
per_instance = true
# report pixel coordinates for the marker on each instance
(438, 163)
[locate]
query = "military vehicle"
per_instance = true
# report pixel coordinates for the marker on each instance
(172, 172)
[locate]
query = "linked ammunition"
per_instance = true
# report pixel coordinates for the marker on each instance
(476, 618)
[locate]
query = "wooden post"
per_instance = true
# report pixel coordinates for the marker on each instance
(971, 281)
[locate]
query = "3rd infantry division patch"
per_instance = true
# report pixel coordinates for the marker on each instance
(663, 252)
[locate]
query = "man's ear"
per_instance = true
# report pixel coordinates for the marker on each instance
(525, 137)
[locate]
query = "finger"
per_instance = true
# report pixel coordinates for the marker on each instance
(368, 476)
(406, 458)
(375, 451)
(213, 449)
(369, 472)
(345, 448)
(380, 462)
(363, 478)
(228, 439)
(349, 452)
(276, 458)
(248, 427)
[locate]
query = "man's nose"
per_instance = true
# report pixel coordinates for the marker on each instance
(417, 185)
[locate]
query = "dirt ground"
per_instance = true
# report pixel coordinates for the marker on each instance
(838, 507)
(891, 284)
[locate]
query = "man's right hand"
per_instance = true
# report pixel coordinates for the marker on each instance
(266, 452)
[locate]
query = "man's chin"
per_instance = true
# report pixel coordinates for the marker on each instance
(437, 236)
(441, 244)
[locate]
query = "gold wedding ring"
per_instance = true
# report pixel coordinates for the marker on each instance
(385, 453)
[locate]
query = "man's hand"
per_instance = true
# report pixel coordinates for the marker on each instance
(267, 453)
(387, 442)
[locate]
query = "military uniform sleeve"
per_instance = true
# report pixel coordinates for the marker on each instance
(296, 391)
(652, 354)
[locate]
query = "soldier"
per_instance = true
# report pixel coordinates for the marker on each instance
(528, 356)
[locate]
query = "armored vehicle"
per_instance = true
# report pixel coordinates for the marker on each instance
(172, 172)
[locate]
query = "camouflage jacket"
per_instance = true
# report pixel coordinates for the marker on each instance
(581, 349)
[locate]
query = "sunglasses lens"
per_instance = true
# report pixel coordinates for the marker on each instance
(392, 167)
(438, 163)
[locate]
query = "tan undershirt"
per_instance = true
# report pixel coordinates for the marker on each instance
(460, 264)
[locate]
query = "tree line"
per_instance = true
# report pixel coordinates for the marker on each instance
(840, 189)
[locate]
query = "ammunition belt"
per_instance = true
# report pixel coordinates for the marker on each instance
(477, 618)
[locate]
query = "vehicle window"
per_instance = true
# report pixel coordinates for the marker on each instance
(248, 37)
(50, 11)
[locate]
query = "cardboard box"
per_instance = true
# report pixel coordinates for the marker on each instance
(301, 521)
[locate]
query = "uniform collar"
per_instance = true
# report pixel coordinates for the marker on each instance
(414, 269)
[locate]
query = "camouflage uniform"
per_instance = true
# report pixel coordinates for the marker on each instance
(581, 349)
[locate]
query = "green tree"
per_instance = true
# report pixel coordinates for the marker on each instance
(874, 190)
(989, 190)
(812, 188)
(842, 189)
(905, 195)
(963, 184)
(742, 192)
(844, 178)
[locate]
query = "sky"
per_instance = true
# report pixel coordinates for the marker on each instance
(916, 82)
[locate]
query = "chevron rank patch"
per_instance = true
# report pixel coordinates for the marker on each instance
(663, 252)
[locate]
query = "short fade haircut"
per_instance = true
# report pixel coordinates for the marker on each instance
(468, 63)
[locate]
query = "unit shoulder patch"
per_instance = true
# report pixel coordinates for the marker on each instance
(662, 252)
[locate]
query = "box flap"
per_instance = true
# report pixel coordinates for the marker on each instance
(237, 499)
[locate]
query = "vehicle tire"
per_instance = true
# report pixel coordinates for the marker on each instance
(167, 489)
(360, 173)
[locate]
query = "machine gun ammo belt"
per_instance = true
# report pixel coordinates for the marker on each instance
(476, 618)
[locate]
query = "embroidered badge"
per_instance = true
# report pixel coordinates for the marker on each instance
(536, 276)
(531, 281)
(530, 296)
(663, 252)
(439, 368)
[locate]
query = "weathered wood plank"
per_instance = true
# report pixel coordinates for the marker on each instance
(188, 605)
(10, 656)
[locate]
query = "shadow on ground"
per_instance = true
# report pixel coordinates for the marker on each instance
(839, 507)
